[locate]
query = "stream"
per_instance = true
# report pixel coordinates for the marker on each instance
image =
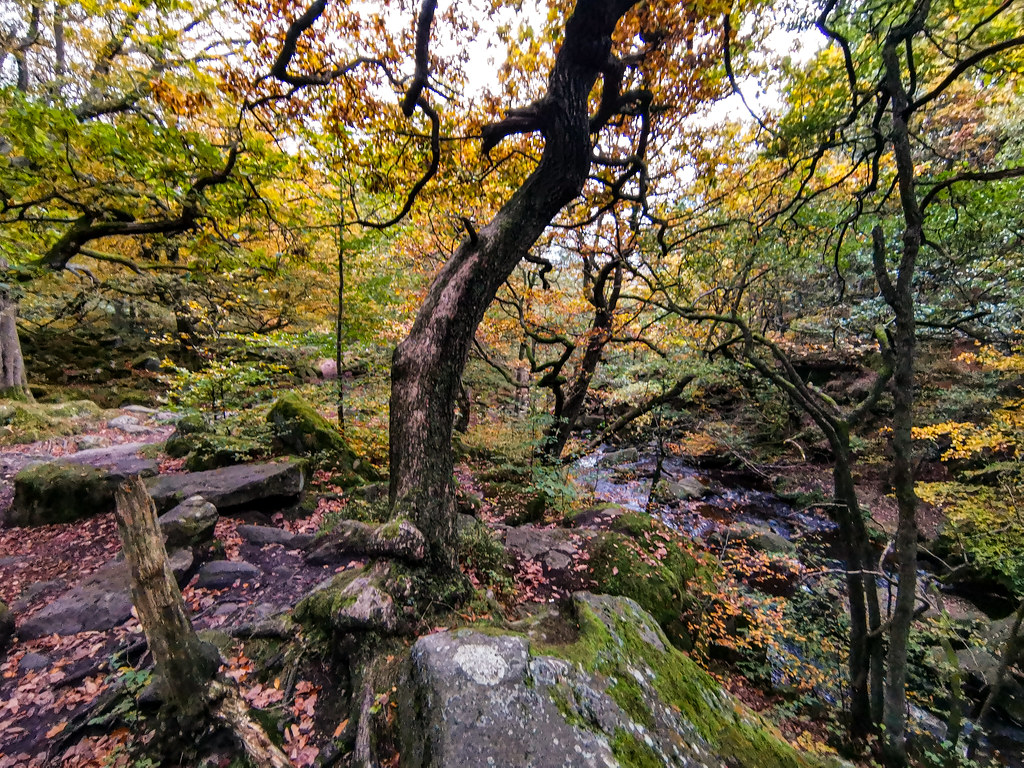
(727, 503)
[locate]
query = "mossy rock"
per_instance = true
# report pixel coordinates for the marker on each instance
(216, 451)
(27, 422)
(301, 430)
(647, 567)
(59, 492)
(607, 689)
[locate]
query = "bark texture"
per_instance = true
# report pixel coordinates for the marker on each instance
(177, 650)
(185, 669)
(427, 365)
(13, 380)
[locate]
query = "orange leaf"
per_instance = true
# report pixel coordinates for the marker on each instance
(56, 729)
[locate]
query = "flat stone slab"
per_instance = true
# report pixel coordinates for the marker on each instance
(221, 574)
(101, 602)
(117, 459)
(274, 483)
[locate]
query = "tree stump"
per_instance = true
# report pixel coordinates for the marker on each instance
(186, 672)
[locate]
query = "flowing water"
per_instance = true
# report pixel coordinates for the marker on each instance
(727, 504)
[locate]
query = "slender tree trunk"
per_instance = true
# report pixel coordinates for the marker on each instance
(600, 333)
(427, 365)
(339, 327)
(13, 380)
(900, 297)
(522, 383)
(183, 668)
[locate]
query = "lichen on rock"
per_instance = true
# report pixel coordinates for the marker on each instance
(615, 693)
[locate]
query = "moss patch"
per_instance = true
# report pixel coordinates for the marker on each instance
(632, 752)
(24, 422)
(317, 609)
(738, 737)
(650, 567)
(300, 429)
(45, 494)
(215, 451)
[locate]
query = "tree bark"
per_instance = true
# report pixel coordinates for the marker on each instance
(427, 365)
(13, 379)
(186, 670)
(177, 650)
(900, 298)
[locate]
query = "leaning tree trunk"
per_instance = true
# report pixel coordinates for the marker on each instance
(185, 670)
(427, 365)
(13, 381)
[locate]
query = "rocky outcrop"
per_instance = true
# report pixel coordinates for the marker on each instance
(274, 484)
(57, 492)
(268, 534)
(615, 693)
(221, 574)
(680, 489)
(100, 602)
(357, 601)
(75, 487)
(298, 428)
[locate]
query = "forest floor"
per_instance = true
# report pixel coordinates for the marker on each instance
(57, 691)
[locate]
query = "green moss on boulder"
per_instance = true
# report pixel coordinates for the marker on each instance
(299, 429)
(647, 567)
(58, 492)
(618, 641)
(216, 451)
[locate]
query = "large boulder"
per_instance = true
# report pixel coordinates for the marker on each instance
(617, 693)
(680, 489)
(76, 486)
(58, 492)
(191, 522)
(300, 429)
(358, 600)
(100, 602)
(271, 485)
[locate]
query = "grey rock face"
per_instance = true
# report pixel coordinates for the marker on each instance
(552, 546)
(482, 705)
(221, 574)
(616, 458)
(275, 482)
(682, 489)
(622, 696)
(102, 601)
(127, 423)
(191, 522)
